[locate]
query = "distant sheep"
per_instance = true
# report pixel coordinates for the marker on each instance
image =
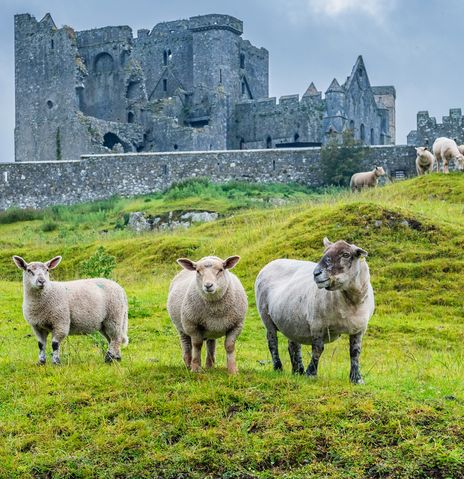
(206, 301)
(367, 179)
(65, 308)
(446, 150)
(315, 303)
(424, 161)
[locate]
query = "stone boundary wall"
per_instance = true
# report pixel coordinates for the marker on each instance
(94, 177)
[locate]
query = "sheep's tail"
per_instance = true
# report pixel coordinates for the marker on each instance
(125, 324)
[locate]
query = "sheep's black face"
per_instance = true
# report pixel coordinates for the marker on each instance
(338, 266)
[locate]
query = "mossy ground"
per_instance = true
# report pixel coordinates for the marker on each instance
(148, 417)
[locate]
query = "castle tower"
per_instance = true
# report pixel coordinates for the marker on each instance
(335, 118)
(45, 81)
(385, 96)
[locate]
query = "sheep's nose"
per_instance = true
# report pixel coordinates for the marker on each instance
(317, 271)
(40, 281)
(208, 285)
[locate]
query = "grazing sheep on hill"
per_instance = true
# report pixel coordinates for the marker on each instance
(315, 303)
(72, 307)
(424, 161)
(206, 301)
(367, 179)
(445, 149)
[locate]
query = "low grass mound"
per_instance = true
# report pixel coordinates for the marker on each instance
(150, 418)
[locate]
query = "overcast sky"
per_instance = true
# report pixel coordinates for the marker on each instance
(415, 45)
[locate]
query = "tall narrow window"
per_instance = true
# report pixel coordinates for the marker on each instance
(165, 57)
(372, 136)
(268, 142)
(242, 60)
(362, 132)
(52, 44)
(165, 85)
(243, 88)
(220, 75)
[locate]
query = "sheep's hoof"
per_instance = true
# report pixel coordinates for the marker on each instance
(312, 376)
(109, 357)
(40, 363)
(56, 362)
(357, 381)
(232, 371)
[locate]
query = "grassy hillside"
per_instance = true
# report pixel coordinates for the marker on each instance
(150, 418)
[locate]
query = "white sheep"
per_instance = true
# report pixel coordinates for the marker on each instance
(368, 179)
(315, 303)
(424, 161)
(206, 301)
(72, 307)
(445, 149)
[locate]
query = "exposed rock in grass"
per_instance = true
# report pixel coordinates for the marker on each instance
(139, 222)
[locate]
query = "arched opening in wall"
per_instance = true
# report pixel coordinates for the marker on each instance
(296, 137)
(362, 134)
(176, 146)
(372, 136)
(103, 63)
(165, 84)
(52, 44)
(110, 140)
(220, 75)
(382, 139)
(130, 117)
(242, 144)
(169, 55)
(49, 104)
(352, 126)
(242, 60)
(165, 57)
(268, 142)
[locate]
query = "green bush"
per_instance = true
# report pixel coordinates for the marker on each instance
(13, 215)
(49, 226)
(340, 161)
(101, 264)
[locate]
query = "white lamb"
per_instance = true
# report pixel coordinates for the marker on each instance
(366, 179)
(206, 301)
(424, 161)
(445, 149)
(72, 307)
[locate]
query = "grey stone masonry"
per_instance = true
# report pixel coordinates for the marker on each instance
(428, 130)
(94, 177)
(184, 85)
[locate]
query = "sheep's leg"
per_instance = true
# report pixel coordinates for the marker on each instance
(355, 351)
(445, 166)
(273, 344)
(186, 344)
(317, 344)
(210, 352)
(197, 344)
(229, 344)
(114, 351)
(294, 349)
(41, 335)
(56, 340)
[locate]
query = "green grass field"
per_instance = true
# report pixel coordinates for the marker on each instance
(148, 417)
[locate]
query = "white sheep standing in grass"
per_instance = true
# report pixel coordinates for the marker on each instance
(65, 308)
(424, 161)
(446, 150)
(315, 303)
(205, 302)
(366, 179)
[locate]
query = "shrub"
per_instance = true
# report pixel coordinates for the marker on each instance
(49, 226)
(13, 215)
(101, 264)
(340, 161)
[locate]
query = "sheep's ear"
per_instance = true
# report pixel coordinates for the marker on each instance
(359, 251)
(53, 263)
(19, 262)
(425, 148)
(187, 264)
(327, 242)
(417, 149)
(230, 262)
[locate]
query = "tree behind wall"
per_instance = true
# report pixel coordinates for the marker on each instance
(339, 161)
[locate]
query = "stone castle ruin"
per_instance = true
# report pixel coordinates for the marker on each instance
(186, 85)
(428, 130)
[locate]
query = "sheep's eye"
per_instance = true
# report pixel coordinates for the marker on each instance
(30, 272)
(220, 271)
(346, 255)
